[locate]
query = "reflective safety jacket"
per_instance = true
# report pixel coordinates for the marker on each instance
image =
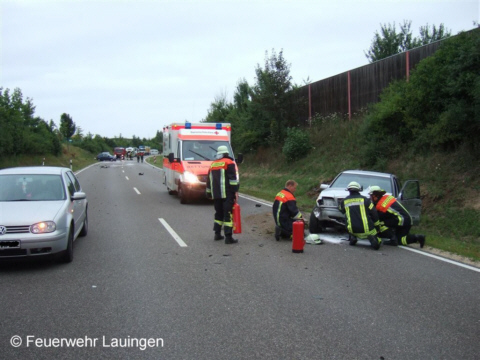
(222, 179)
(285, 210)
(392, 213)
(360, 214)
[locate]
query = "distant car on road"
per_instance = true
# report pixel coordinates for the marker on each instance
(153, 152)
(105, 156)
(327, 214)
(43, 210)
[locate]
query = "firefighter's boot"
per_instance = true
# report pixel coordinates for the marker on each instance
(352, 240)
(230, 240)
(278, 232)
(217, 228)
(393, 240)
(374, 241)
(421, 240)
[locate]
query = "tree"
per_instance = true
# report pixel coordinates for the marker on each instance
(388, 42)
(67, 126)
(437, 34)
(272, 98)
(219, 109)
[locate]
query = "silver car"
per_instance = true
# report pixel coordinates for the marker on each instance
(42, 211)
(327, 214)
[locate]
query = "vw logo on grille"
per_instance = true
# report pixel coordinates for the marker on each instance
(3, 230)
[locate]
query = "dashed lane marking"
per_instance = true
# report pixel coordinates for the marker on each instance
(172, 232)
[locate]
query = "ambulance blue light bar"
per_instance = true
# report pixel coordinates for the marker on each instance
(218, 126)
(188, 125)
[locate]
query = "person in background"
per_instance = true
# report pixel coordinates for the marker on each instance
(222, 187)
(361, 215)
(395, 221)
(285, 211)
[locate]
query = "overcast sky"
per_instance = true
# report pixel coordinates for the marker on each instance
(130, 67)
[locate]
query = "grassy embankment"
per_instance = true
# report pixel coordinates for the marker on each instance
(451, 194)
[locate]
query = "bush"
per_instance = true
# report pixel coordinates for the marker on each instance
(297, 144)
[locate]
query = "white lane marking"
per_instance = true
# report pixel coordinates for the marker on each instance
(441, 258)
(336, 240)
(126, 177)
(138, 192)
(260, 201)
(173, 233)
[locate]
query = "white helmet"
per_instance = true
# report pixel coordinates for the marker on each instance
(376, 189)
(313, 239)
(354, 186)
(222, 149)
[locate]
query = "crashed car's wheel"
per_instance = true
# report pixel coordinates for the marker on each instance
(315, 226)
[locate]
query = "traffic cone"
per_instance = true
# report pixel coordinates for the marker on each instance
(298, 241)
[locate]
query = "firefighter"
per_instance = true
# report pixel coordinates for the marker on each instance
(361, 216)
(285, 211)
(395, 221)
(222, 187)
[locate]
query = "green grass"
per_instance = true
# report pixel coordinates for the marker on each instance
(79, 159)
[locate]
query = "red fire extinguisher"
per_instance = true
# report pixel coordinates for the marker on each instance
(237, 220)
(298, 241)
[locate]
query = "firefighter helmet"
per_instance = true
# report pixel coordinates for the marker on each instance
(354, 186)
(222, 150)
(375, 189)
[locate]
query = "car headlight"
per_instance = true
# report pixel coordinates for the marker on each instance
(43, 227)
(188, 177)
(329, 202)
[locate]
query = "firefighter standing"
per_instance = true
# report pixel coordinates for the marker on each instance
(395, 221)
(361, 216)
(222, 187)
(285, 211)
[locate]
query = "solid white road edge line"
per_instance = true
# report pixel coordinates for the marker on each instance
(469, 267)
(173, 233)
(251, 198)
(138, 192)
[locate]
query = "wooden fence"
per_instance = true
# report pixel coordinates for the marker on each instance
(351, 91)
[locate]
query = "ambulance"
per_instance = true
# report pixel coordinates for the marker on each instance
(188, 151)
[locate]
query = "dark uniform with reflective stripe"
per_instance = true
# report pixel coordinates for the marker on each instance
(285, 211)
(222, 184)
(361, 215)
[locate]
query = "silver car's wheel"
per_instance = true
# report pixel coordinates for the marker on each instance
(67, 255)
(84, 230)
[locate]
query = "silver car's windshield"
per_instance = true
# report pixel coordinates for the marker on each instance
(365, 180)
(38, 187)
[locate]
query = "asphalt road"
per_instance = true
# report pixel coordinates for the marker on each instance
(137, 290)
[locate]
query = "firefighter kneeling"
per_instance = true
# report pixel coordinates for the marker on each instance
(285, 211)
(395, 221)
(362, 218)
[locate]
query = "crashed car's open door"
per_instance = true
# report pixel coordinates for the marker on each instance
(410, 198)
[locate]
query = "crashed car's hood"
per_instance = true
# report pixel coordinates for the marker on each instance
(338, 193)
(28, 212)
